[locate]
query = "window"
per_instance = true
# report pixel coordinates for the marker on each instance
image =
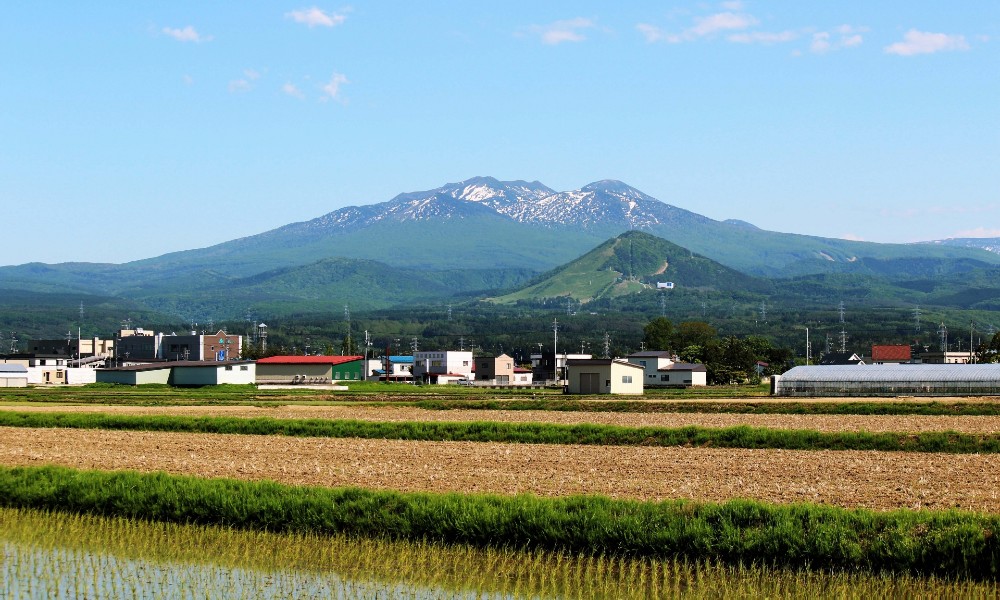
(465, 363)
(229, 367)
(244, 368)
(336, 375)
(664, 377)
(642, 362)
(626, 379)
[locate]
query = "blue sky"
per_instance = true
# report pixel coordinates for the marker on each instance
(131, 129)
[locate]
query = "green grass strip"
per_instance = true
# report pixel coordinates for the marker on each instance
(524, 433)
(756, 408)
(953, 544)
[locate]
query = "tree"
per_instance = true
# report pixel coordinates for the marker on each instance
(658, 334)
(989, 353)
(694, 333)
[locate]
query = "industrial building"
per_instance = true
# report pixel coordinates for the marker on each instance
(603, 376)
(889, 380)
(309, 369)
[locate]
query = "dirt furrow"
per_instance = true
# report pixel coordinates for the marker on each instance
(877, 423)
(878, 480)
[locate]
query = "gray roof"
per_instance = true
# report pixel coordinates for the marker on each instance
(652, 354)
(680, 366)
(8, 368)
(893, 372)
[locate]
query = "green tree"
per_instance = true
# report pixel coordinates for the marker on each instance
(658, 334)
(694, 333)
(989, 353)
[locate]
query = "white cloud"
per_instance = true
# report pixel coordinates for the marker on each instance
(844, 36)
(725, 21)
(763, 37)
(292, 90)
(924, 42)
(733, 5)
(331, 89)
(239, 85)
(315, 17)
(978, 232)
(568, 30)
(703, 27)
(187, 34)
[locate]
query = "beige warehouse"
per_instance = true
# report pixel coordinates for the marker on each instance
(603, 376)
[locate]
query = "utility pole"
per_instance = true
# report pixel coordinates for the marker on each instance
(972, 356)
(555, 347)
(808, 347)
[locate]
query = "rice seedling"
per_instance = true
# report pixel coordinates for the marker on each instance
(60, 555)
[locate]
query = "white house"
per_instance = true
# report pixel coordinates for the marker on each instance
(603, 376)
(651, 362)
(451, 364)
(680, 374)
(13, 375)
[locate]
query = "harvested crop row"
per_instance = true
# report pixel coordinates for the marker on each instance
(825, 423)
(845, 478)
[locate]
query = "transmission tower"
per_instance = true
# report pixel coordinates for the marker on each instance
(763, 311)
(916, 319)
(841, 310)
(461, 343)
(569, 305)
(943, 332)
(449, 312)
(843, 340)
(414, 345)
(13, 342)
(607, 345)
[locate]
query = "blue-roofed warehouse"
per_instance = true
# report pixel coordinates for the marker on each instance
(889, 380)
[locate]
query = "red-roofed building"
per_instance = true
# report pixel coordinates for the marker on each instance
(887, 354)
(309, 369)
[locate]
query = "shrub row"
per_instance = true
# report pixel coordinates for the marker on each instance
(954, 544)
(707, 406)
(524, 433)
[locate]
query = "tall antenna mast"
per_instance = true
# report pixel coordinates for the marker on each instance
(943, 332)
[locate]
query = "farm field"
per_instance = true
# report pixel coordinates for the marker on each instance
(876, 480)
(824, 423)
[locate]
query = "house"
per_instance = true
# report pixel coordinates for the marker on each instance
(43, 369)
(841, 358)
(309, 369)
(13, 375)
(651, 361)
(680, 374)
(603, 376)
(546, 366)
(523, 377)
(400, 368)
(452, 364)
(890, 354)
(498, 370)
(946, 358)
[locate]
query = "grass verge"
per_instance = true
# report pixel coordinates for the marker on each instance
(955, 544)
(523, 433)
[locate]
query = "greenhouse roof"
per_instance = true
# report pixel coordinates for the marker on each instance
(893, 372)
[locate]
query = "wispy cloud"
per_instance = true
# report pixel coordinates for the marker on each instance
(568, 30)
(924, 42)
(316, 17)
(845, 36)
(245, 83)
(978, 232)
(187, 34)
(763, 37)
(331, 89)
(708, 26)
(292, 90)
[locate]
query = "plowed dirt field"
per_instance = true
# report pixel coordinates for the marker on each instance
(878, 480)
(911, 424)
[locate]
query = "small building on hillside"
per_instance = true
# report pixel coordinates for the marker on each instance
(891, 354)
(889, 380)
(603, 376)
(309, 369)
(497, 370)
(13, 375)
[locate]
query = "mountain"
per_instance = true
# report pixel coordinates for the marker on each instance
(629, 264)
(486, 225)
(988, 244)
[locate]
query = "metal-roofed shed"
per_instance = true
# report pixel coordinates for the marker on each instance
(890, 380)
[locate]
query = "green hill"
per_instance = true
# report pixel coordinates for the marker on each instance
(628, 264)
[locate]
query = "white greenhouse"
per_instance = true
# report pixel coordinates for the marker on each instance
(889, 380)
